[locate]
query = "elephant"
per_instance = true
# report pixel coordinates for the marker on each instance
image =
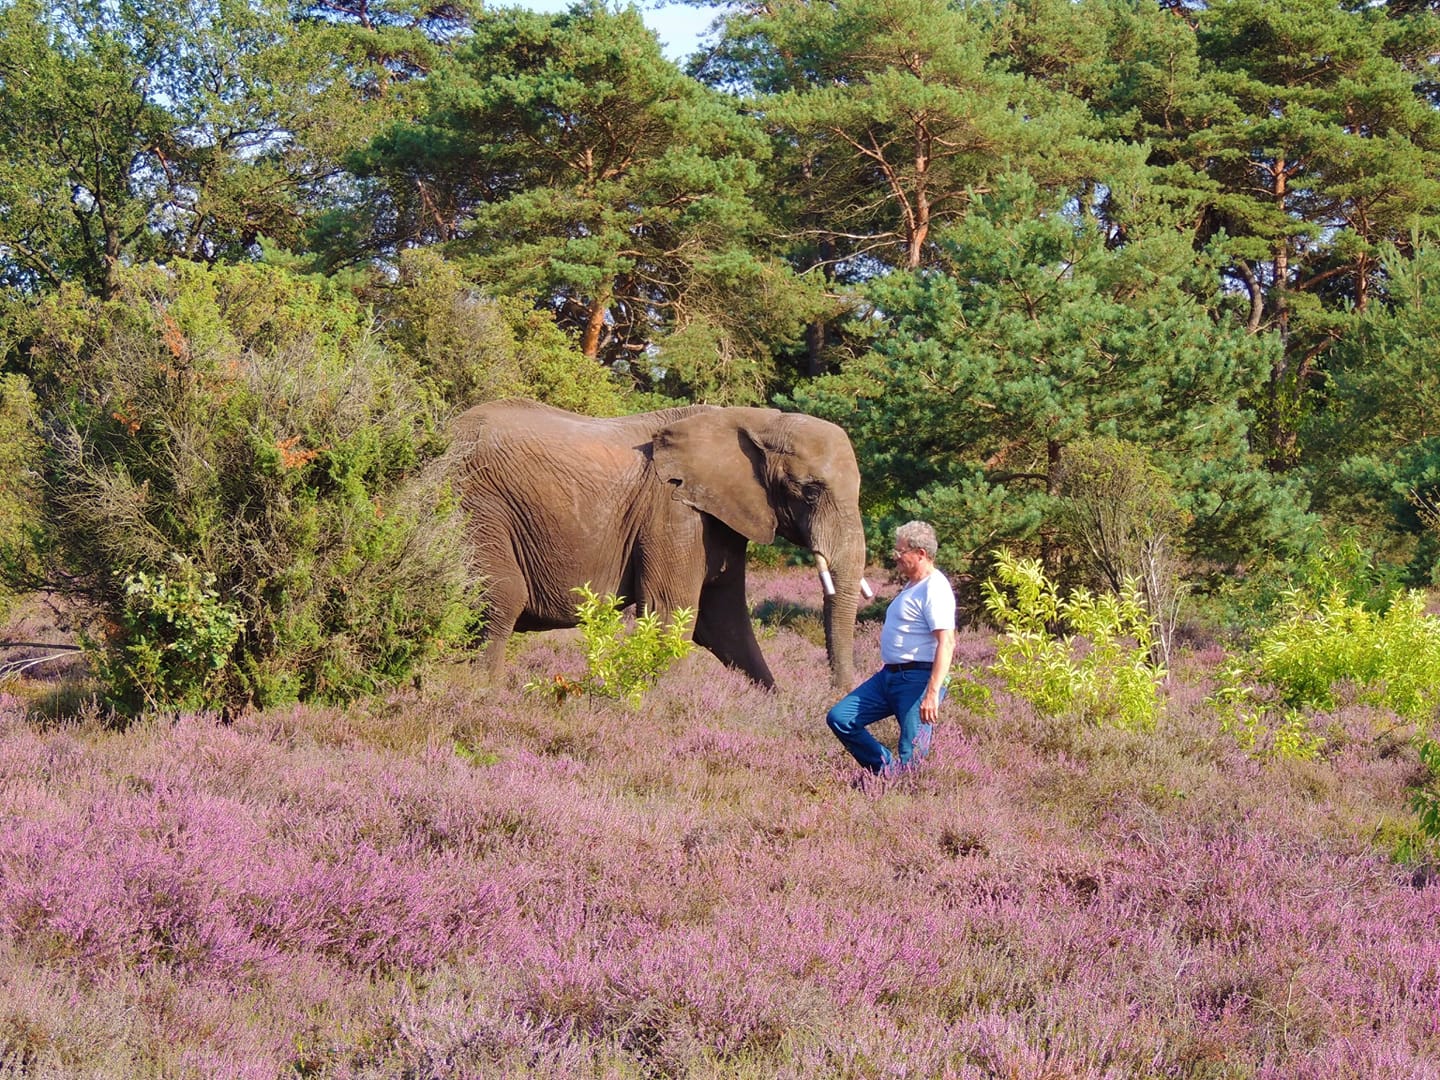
(656, 509)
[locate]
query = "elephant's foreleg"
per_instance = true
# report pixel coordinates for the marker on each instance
(723, 627)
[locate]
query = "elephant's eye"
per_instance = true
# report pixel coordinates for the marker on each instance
(812, 490)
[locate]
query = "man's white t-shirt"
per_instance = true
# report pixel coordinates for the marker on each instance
(913, 617)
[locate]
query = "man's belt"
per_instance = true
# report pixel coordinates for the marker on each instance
(910, 665)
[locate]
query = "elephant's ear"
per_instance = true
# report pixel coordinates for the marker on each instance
(717, 464)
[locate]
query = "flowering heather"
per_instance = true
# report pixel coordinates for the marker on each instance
(464, 882)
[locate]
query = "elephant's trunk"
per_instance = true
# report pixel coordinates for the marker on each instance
(842, 560)
(827, 583)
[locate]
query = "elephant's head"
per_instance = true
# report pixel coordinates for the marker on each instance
(764, 472)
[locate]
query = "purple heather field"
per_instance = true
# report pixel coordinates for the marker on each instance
(470, 882)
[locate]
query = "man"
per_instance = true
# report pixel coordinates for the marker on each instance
(916, 646)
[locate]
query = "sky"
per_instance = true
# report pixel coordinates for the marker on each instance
(678, 26)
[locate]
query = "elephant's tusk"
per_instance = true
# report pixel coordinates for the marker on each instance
(826, 581)
(865, 590)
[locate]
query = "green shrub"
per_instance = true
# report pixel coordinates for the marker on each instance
(620, 663)
(1120, 515)
(173, 643)
(245, 420)
(1099, 672)
(1425, 801)
(1250, 604)
(1392, 658)
(1258, 727)
(19, 488)
(1416, 841)
(1389, 658)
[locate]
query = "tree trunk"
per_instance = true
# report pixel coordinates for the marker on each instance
(594, 328)
(1048, 557)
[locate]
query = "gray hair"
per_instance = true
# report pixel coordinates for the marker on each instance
(917, 534)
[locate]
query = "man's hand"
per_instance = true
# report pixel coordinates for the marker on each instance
(930, 705)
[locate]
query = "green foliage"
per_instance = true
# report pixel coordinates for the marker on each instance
(1120, 517)
(1388, 658)
(573, 165)
(1114, 507)
(469, 348)
(1304, 137)
(807, 622)
(1260, 729)
(135, 131)
(1042, 334)
(1371, 441)
(1208, 237)
(19, 488)
(1346, 568)
(891, 114)
(1425, 801)
(245, 419)
(1105, 678)
(1391, 658)
(620, 663)
(969, 695)
(1246, 605)
(174, 640)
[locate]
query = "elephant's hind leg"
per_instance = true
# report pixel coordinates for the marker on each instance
(505, 600)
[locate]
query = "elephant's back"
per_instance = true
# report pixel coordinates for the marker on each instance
(509, 417)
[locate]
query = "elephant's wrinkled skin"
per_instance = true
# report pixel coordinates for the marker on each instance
(656, 508)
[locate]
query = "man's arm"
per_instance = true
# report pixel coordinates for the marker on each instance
(944, 652)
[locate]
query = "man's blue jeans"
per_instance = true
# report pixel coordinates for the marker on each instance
(886, 693)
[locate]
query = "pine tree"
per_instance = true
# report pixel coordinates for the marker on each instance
(567, 160)
(1303, 137)
(1039, 333)
(894, 116)
(1372, 448)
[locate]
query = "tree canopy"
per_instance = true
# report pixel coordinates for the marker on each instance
(972, 233)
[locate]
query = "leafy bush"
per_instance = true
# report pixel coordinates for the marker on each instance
(1121, 516)
(173, 643)
(1425, 801)
(620, 663)
(1249, 605)
(245, 421)
(1259, 729)
(1107, 677)
(19, 457)
(1392, 658)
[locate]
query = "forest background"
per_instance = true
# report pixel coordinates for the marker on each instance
(255, 253)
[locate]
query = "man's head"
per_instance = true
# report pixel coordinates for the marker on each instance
(917, 536)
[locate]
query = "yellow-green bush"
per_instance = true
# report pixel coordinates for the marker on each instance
(620, 662)
(1098, 671)
(1391, 657)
